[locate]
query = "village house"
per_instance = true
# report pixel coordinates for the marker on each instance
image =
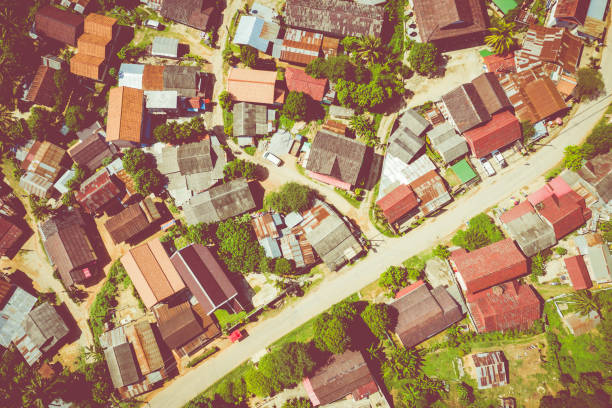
(398, 206)
(578, 272)
(344, 376)
(9, 203)
(423, 312)
(41, 331)
(256, 32)
(152, 273)
(166, 47)
(336, 160)
(131, 221)
(192, 167)
(500, 64)
(250, 121)
(185, 328)
(193, 13)
(125, 117)
(59, 25)
(10, 235)
(532, 233)
(299, 81)
(571, 13)
(465, 108)
(42, 90)
(491, 369)
(299, 46)
(451, 24)
(206, 279)
(15, 304)
(335, 17)
(98, 191)
(255, 86)
(549, 46)
(43, 165)
(447, 142)
(431, 191)
(66, 242)
(405, 144)
(594, 26)
(597, 172)
(95, 46)
(89, 153)
(220, 203)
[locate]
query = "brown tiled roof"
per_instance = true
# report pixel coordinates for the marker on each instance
(466, 107)
(90, 152)
(444, 20)
(336, 17)
(193, 13)
(298, 80)
(97, 191)
(47, 161)
(490, 91)
(93, 45)
(100, 25)
(341, 376)
(125, 114)
(178, 324)
(153, 78)
(9, 235)
(252, 85)
(145, 346)
(6, 290)
(330, 46)
(86, 65)
(598, 173)
(545, 98)
(43, 87)
(127, 223)
(60, 25)
(336, 156)
(152, 272)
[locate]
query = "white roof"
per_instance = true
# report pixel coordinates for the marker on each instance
(13, 314)
(165, 47)
(115, 166)
(249, 31)
(60, 184)
(265, 12)
(396, 172)
(281, 142)
(161, 99)
(292, 219)
(130, 75)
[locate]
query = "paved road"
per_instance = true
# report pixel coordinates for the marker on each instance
(389, 252)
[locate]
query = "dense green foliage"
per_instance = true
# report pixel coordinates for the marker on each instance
(290, 197)
(589, 83)
(75, 117)
(377, 317)
(296, 106)
(41, 122)
(282, 267)
(501, 37)
(297, 403)
(182, 235)
(248, 55)
(332, 329)
(238, 246)
(142, 169)
(226, 101)
(102, 306)
(481, 232)
(39, 207)
(441, 251)
(395, 278)
(288, 364)
(365, 129)
(177, 133)
(424, 58)
(238, 168)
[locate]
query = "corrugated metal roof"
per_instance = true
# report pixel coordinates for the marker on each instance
(12, 315)
(165, 47)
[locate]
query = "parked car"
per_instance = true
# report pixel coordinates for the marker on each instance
(487, 166)
(154, 24)
(500, 159)
(272, 158)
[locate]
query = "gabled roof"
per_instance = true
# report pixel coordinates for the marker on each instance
(183, 79)
(578, 272)
(344, 374)
(252, 85)
(510, 305)
(128, 223)
(566, 213)
(256, 32)
(444, 20)
(100, 25)
(299, 81)
(43, 88)
(204, 276)
(193, 13)
(404, 144)
(153, 274)
(549, 44)
(447, 142)
(177, 324)
(34, 184)
(422, 313)
(572, 10)
(500, 63)
(60, 25)
(336, 156)
(250, 119)
(335, 17)
(121, 365)
(47, 161)
(9, 235)
(398, 203)
(125, 114)
(220, 203)
(431, 191)
(503, 129)
(43, 329)
(465, 107)
(491, 93)
(144, 343)
(88, 66)
(15, 306)
(413, 121)
(66, 242)
(598, 173)
(301, 47)
(89, 153)
(544, 98)
(528, 229)
(489, 266)
(97, 191)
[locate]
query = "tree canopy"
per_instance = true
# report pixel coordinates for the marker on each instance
(377, 317)
(481, 232)
(589, 83)
(176, 133)
(290, 197)
(296, 106)
(238, 168)
(395, 278)
(424, 58)
(41, 122)
(287, 364)
(75, 117)
(238, 247)
(248, 55)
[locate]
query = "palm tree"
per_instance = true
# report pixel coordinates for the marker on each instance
(585, 302)
(6, 118)
(501, 38)
(368, 49)
(38, 393)
(93, 354)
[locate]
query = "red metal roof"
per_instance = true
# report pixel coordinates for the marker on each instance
(300, 81)
(409, 289)
(329, 180)
(565, 213)
(556, 186)
(572, 10)
(517, 211)
(489, 266)
(96, 191)
(9, 235)
(398, 203)
(500, 63)
(578, 272)
(503, 129)
(508, 306)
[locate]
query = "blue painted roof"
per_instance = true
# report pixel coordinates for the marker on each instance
(270, 247)
(597, 9)
(249, 31)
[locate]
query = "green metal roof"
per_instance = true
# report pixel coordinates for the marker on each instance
(485, 53)
(505, 5)
(463, 170)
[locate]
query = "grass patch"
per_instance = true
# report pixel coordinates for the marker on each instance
(300, 169)
(250, 150)
(442, 364)
(451, 178)
(352, 200)
(233, 376)
(302, 334)
(207, 353)
(227, 319)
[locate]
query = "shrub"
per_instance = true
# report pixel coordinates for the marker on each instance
(239, 168)
(296, 106)
(291, 197)
(589, 83)
(423, 58)
(248, 55)
(378, 319)
(207, 353)
(225, 101)
(481, 232)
